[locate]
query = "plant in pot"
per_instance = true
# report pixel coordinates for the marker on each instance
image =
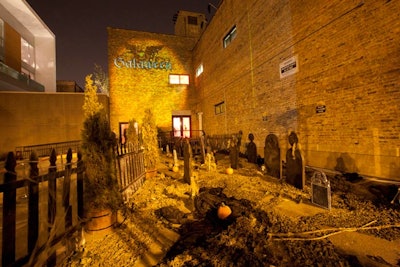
(101, 193)
(150, 143)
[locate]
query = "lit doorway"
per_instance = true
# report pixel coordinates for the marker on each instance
(181, 126)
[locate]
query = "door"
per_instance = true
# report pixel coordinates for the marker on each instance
(181, 126)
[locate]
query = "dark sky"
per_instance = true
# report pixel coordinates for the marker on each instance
(80, 27)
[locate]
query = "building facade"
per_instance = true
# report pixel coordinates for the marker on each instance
(327, 70)
(27, 50)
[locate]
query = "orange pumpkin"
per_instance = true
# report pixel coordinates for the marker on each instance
(229, 170)
(223, 211)
(175, 169)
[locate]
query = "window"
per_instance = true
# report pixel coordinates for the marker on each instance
(28, 58)
(230, 37)
(219, 108)
(178, 79)
(199, 70)
(192, 20)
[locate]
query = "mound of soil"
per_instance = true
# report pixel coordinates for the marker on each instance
(171, 223)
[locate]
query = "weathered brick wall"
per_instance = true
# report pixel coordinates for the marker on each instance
(134, 89)
(348, 57)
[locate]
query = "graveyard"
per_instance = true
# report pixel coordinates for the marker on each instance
(170, 222)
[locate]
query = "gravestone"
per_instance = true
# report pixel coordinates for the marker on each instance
(187, 160)
(251, 150)
(233, 152)
(210, 162)
(295, 174)
(175, 158)
(320, 190)
(272, 156)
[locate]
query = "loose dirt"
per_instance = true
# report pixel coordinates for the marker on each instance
(170, 223)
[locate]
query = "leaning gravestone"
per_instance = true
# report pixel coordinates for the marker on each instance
(320, 190)
(294, 163)
(272, 156)
(251, 150)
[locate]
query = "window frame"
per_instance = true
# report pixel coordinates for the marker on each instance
(179, 79)
(199, 70)
(219, 108)
(229, 37)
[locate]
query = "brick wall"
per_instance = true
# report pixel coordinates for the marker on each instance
(348, 57)
(40, 118)
(133, 89)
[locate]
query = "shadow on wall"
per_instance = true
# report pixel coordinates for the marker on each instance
(394, 170)
(345, 164)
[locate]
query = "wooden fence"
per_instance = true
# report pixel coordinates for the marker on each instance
(130, 169)
(130, 173)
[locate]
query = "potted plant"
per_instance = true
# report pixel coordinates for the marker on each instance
(101, 192)
(150, 143)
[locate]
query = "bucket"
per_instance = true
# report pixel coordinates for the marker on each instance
(100, 220)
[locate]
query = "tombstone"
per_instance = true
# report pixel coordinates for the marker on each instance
(175, 158)
(251, 150)
(320, 190)
(272, 156)
(294, 163)
(210, 162)
(233, 153)
(187, 159)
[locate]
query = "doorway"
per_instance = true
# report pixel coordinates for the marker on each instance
(181, 126)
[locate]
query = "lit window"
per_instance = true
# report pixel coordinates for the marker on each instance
(230, 37)
(178, 79)
(219, 108)
(27, 54)
(199, 70)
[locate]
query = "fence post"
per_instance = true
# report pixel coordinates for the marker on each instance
(33, 208)
(9, 212)
(79, 184)
(52, 201)
(66, 191)
(52, 187)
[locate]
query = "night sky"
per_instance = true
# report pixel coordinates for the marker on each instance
(80, 27)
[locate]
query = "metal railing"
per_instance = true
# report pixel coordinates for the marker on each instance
(44, 150)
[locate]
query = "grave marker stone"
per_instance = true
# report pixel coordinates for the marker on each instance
(295, 174)
(320, 190)
(272, 156)
(187, 160)
(233, 152)
(252, 150)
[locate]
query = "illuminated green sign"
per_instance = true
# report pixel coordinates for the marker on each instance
(142, 57)
(133, 63)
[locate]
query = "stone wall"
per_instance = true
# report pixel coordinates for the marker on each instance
(40, 118)
(344, 99)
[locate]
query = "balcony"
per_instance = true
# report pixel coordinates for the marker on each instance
(12, 80)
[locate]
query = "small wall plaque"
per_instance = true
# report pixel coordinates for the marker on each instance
(320, 109)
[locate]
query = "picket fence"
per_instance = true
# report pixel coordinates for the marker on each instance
(42, 190)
